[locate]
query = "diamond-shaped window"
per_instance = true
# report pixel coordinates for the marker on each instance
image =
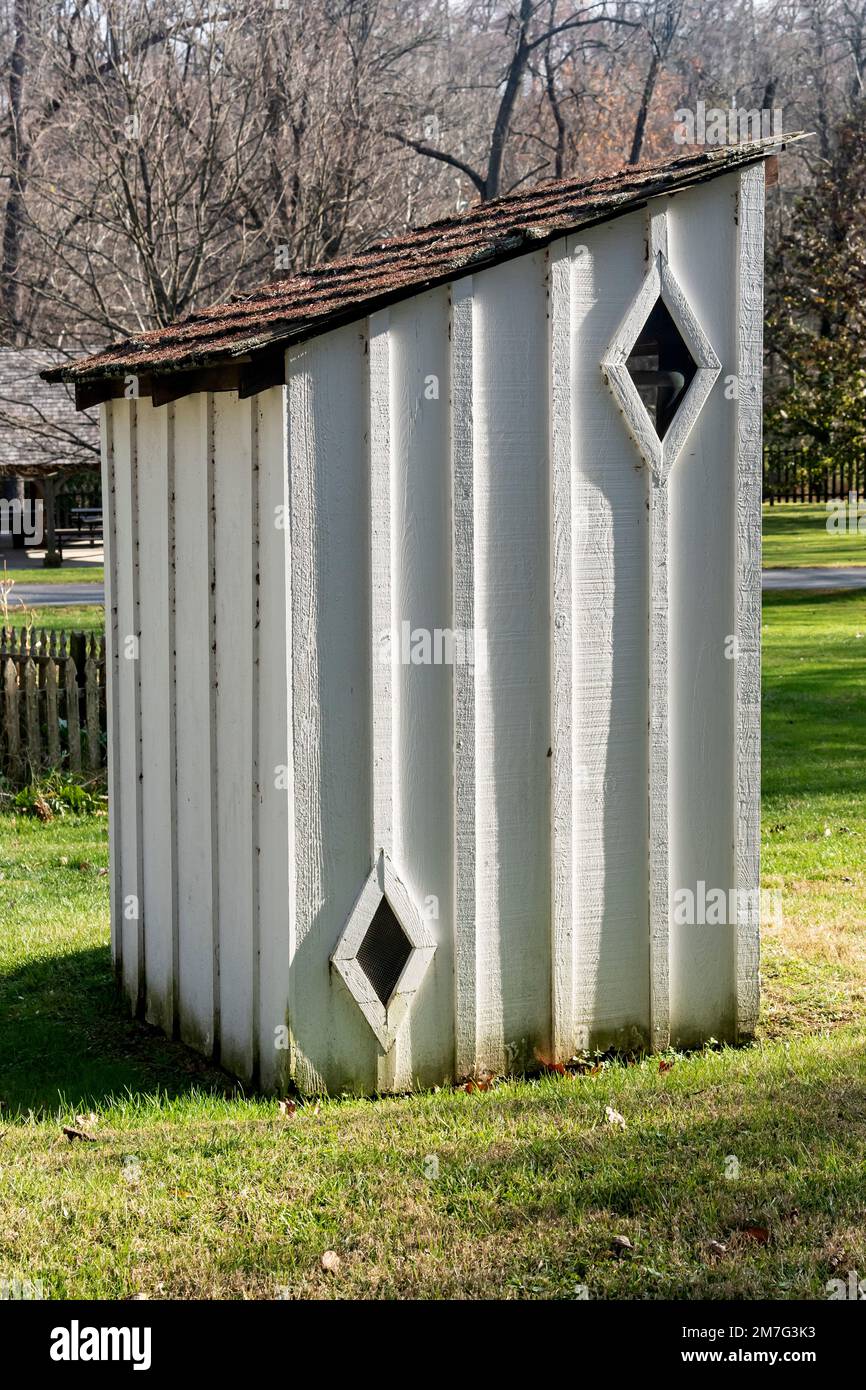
(384, 952)
(661, 367)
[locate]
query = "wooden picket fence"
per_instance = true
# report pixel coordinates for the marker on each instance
(52, 702)
(785, 481)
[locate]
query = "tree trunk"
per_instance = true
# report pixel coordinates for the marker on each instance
(19, 159)
(516, 69)
(643, 110)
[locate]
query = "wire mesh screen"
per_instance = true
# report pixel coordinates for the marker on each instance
(384, 951)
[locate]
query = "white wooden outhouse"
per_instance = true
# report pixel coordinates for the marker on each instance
(434, 623)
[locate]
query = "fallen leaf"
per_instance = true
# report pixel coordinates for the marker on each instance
(716, 1248)
(665, 1066)
(613, 1117)
(73, 1134)
(287, 1108)
(759, 1234)
(469, 1087)
(330, 1261)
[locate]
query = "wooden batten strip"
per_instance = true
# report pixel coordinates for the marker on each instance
(172, 728)
(255, 770)
(109, 502)
(382, 683)
(463, 541)
(209, 449)
(142, 958)
(562, 675)
(382, 616)
(135, 801)
(659, 699)
(659, 771)
(657, 231)
(747, 836)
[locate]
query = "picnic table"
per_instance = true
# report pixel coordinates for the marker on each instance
(87, 519)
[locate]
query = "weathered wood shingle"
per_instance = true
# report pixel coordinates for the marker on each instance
(301, 306)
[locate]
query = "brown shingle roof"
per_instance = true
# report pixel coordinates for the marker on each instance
(302, 306)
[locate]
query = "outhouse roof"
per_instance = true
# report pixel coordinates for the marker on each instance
(262, 323)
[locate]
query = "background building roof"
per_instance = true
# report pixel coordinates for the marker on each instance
(40, 430)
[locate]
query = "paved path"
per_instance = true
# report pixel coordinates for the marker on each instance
(817, 577)
(805, 577)
(57, 595)
(79, 557)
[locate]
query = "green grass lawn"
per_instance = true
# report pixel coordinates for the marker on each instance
(795, 533)
(73, 618)
(68, 573)
(189, 1189)
(814, 807)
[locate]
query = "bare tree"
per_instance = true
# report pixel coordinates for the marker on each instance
(533, 26)
(661, 24)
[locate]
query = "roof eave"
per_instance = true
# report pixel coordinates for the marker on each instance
(719, 161)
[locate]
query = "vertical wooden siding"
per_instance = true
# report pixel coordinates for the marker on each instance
(512, 687)
(609, 576)
(464, 449)
(702, 485)
(185, 555)
(329, 486)
(423, 832)
(154, 476)
(127, 894)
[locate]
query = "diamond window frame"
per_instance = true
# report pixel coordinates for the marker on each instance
(385, 1020)
(660, 283)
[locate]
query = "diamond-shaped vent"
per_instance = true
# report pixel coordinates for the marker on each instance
(384, 952)
(661, 367)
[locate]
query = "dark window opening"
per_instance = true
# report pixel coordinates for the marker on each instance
(384, 951)
(661, 367)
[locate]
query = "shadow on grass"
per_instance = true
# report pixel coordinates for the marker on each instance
(67, 1041)
(789, 1213)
